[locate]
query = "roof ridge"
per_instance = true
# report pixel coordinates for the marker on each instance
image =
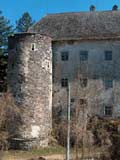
(87, 12)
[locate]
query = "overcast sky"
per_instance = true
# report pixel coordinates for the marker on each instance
(13, 9)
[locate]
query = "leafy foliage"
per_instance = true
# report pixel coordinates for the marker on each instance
(5, 30)
(24, 23)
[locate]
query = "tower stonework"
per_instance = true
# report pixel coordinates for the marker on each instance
(30, 83)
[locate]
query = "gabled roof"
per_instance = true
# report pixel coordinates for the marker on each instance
(79, 25)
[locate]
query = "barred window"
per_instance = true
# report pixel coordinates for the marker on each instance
(64, 56)
(64, 82)
(108, 83)
(108, 111)
(72, 100)
(83, 55)
(108, 55)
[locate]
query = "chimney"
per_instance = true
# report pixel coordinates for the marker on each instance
(115, 8)
(92, 8)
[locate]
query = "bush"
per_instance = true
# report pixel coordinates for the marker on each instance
(9, 120)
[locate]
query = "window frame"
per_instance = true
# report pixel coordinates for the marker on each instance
(107, 56)
(33, 46)
(83, 56)
(72, 100)
(64, 56)
(108, 83)
(108, 110)
(64, 82)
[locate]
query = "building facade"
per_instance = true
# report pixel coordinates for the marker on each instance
(80, 49)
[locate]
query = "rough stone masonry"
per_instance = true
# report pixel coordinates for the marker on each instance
(30, 82)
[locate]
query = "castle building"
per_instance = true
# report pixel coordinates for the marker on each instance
(81, 49)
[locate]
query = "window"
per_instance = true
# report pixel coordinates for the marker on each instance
(64, 56)
(108, 111)
(72, 100)
(64, 82)
(83, 101)
(108, 55)
(17, 47)
(33, 46)
(83, 82)
(95, 77)
(108, 83)
(83, 55)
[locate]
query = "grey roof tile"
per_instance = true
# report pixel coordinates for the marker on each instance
(79, 25)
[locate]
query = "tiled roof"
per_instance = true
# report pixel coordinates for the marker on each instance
(79, 25)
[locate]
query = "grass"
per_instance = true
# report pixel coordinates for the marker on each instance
(24, 155)
(50, 151)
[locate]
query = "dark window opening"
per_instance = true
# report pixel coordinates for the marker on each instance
(95, 77)
(83, 101)
(108, 111)
(72, 100)
(12, 64)
(16, 47)
(83, 55)
(33, 47)
(108, 83)
(64, 82)
(64, 56)
(83, 82)
(108, 55)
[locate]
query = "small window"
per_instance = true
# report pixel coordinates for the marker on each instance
(83, 101)
(17, 47)
(83, 55)
(64, 56)
(83, 82)
(108, 83)
(108, 111)
(33, 46)
(95, 77)
(108, 55)
(64, 82)
(72, 100)
(13, 64)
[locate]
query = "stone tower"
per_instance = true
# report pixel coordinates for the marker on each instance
(30, 83)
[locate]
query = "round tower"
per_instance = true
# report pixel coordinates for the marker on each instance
(30, 83)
